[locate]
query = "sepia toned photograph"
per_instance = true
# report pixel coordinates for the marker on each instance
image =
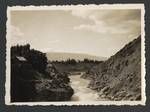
(75, 55)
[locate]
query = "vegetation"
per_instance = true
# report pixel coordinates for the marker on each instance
(73, 61)
(72, 65)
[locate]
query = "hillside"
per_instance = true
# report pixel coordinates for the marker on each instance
(119, 78)
(53, 56)
(33, 79)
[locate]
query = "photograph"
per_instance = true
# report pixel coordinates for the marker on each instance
(75, 55)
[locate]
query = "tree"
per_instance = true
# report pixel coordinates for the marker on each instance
(37, 59)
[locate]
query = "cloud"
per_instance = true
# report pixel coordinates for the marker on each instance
(46, 49)
(16, 32)
(16, 36)
(81, 13)
(101, 29)
(54, 41)
(109, 21)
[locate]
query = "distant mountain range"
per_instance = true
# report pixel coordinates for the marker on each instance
(77, 56)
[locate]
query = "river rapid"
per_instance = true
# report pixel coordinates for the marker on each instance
(81, 92)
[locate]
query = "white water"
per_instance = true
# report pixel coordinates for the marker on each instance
(81, 92)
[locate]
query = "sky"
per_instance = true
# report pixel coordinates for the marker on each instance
(96, 32)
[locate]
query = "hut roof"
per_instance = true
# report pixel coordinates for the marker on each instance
(20, 58)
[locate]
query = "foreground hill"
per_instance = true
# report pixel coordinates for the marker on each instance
(119, 78)
(33, 79)
(53, 56)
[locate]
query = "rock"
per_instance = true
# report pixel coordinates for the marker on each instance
(105, 89)
(54, 94)
(138, 97)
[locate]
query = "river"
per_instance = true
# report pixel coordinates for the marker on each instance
(81, 92)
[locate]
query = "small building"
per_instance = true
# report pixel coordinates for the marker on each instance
(18, 59)
(21, 59)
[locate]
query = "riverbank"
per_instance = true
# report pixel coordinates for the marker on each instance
(81, 90)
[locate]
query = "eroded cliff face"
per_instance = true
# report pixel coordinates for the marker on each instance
(119, 78)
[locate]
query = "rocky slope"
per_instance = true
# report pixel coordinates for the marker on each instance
(33, 79)
(119, 78)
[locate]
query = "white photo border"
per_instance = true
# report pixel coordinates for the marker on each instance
(69, 7)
